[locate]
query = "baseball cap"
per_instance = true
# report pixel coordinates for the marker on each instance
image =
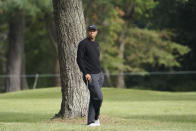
(92, 27)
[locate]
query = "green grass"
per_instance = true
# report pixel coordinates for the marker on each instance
(122, 109)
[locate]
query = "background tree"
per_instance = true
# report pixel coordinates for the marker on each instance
(159, 22)
(119, 19)
(38, 14)
(47, 16)
(147, 47)
(15, 62)
(179, 17)
(16, 46)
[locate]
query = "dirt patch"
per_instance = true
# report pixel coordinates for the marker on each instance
(105, 120)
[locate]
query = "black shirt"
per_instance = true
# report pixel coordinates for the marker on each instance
(88, 57)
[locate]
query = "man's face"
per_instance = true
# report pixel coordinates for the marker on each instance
(92, 33)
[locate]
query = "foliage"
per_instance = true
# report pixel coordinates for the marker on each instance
(3, 45)
(179, 16)
(159, 34)
(143, 46)
(152, 48)
(38, 47)
(109, 26)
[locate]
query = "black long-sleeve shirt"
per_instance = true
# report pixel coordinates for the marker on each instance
(88, 54)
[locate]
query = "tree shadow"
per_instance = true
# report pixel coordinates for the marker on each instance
(23, 117)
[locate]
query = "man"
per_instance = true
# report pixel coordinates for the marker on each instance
(88, 55)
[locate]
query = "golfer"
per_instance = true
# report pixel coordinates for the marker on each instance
(88, 55)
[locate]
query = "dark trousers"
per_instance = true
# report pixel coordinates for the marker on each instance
(96, 96)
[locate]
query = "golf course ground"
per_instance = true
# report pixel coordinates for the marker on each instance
(122, 110)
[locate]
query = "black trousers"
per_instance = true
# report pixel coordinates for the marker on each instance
(96, 96)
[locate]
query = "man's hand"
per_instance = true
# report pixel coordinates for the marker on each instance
(88, 77)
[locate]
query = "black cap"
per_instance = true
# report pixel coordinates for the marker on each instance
(92, 27)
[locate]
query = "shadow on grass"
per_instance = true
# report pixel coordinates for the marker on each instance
(165, 118)
(23, 117)
(14, 117)
(32, 117)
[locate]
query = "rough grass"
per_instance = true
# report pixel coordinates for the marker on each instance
(122, 109)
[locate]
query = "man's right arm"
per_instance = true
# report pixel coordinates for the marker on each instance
(80, 58)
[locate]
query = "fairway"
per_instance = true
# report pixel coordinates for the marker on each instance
(122, 109)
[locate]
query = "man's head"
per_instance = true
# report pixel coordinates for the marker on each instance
(92, 31)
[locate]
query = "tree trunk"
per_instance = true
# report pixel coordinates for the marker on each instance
(120, 80)
(120, 77)
(24, 82)
(70, 26)
(16, 45)
(57, 80)
(108, 77)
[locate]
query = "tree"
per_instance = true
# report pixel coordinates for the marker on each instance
(109, 24)
(3, 49)
(16, 46)
(154, 48)
(180, 17)
(51, 29)
(31, 9)
(47, 13)
(120, 17)
(70, 26)
(15, 12)
(129, 12)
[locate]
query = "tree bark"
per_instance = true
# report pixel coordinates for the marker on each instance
(16, 46)
(108, 77)
(24, 82)
(120, 77)
(70, 26)
(57, 80)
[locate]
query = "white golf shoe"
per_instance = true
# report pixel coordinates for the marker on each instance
(96, 123)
